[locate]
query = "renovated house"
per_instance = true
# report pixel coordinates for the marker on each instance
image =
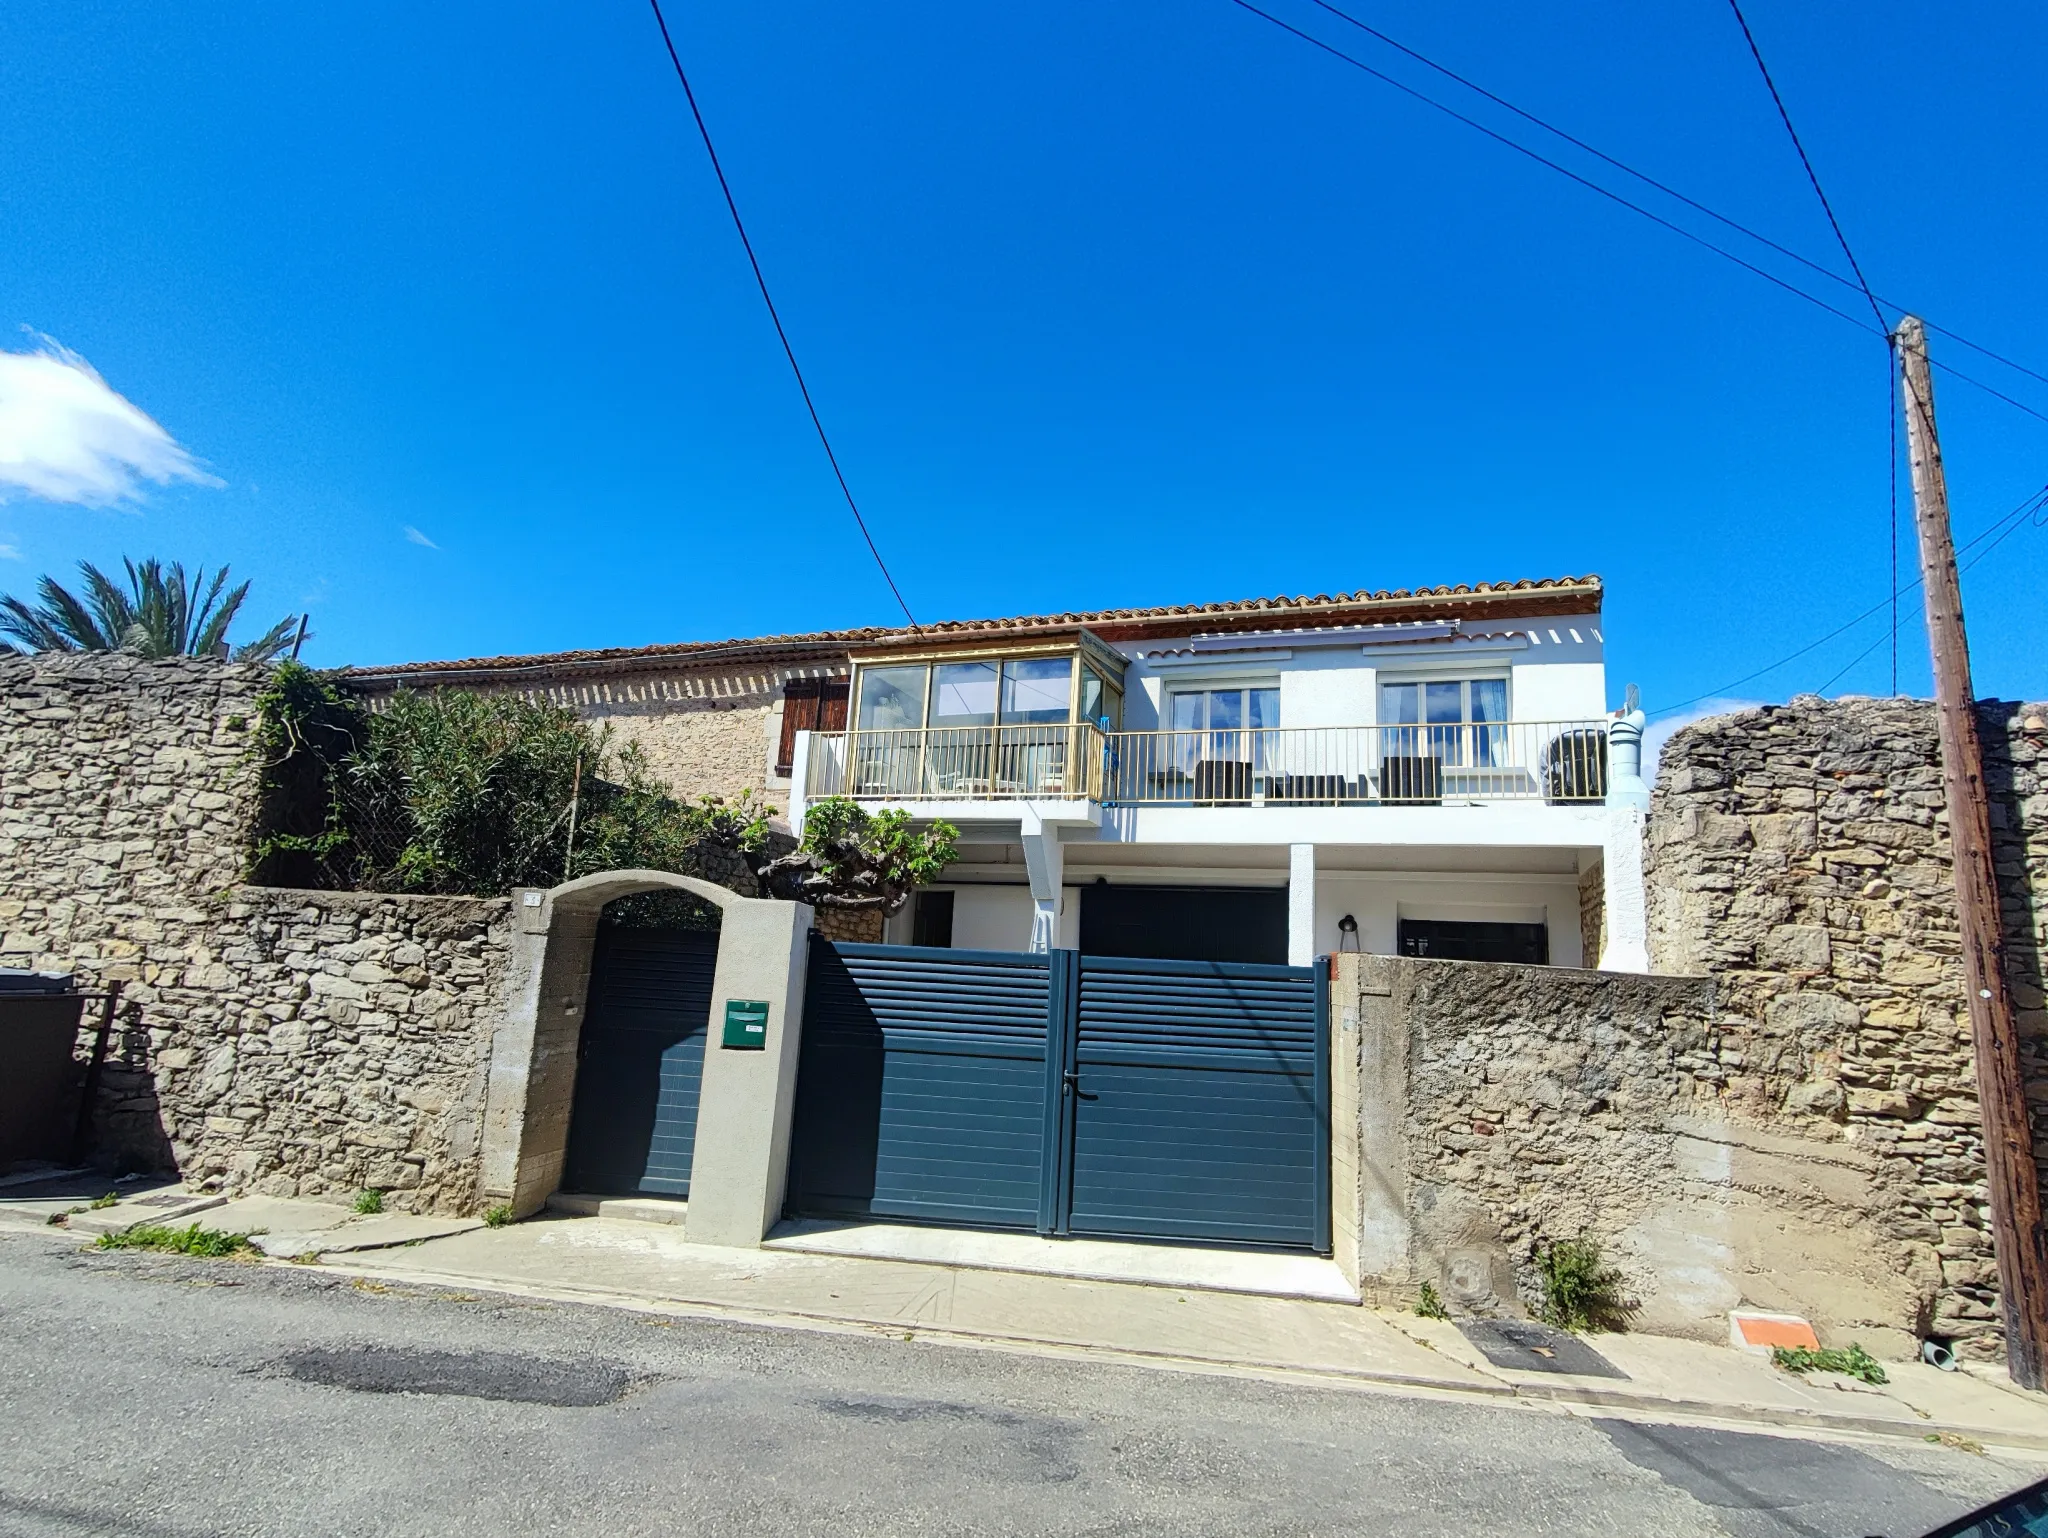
(1398, 772)
(1421, 774)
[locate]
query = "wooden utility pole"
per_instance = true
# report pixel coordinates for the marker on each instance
(2017, 1235)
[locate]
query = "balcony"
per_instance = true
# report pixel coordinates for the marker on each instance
(1554, 762)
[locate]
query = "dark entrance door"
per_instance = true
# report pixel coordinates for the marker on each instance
(640, 1062)
(1065, 1093)
(1450, 940)
(1176, 923)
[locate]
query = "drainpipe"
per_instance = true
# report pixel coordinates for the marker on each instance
(1626, 921)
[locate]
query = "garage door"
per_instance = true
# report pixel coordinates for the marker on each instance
(640, 1061)
(1066, 1094)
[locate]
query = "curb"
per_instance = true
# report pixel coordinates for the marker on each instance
(1536, 1395)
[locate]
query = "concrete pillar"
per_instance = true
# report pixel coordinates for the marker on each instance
(800, 780)
(532, 1081)
(1045, 864)
(1301, 904)
(1626, 921)
(740, 1161)
(1385, 1236)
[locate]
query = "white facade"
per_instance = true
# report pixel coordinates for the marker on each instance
(1487, 845)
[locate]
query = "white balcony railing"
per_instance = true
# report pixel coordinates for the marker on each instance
(1562, 762)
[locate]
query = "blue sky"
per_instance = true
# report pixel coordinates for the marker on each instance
(1103, 305)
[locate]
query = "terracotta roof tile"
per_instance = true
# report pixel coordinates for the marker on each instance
(1110, 621)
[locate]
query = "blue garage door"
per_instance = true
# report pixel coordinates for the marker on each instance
(640, 1061)
(1066, 1094)
(1198, 1107)
(921, 1090)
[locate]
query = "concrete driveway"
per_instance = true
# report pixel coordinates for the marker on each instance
(163, 1398)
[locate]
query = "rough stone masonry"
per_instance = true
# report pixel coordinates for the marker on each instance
(290, 1042)
(1800, 855)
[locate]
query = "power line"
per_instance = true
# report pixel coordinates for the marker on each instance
(768, 299)
(1650, 181)
(2004, 527)
(1647, 180)
(1545, 161)
(1805, 160)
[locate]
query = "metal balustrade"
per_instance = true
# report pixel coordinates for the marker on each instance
(1560, 762)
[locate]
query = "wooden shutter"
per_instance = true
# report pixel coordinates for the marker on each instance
(832, 705)
(799, 714)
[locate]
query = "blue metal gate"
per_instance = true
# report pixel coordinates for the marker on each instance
(1065, 1094)
(640, 1062)
(921, 1091)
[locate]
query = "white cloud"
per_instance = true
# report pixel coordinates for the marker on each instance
(11, 553)
(67, 436)
(418, 538)
(1657, 733)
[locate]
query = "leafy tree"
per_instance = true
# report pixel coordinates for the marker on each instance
(853, 858)
(161, 613)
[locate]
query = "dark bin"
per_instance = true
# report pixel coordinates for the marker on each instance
(39, 1077)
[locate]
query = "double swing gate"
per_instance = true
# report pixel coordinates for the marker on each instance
(1065, 1094)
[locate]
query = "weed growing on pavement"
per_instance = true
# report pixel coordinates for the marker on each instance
(205, 1243)
(1579, 1291)
(498, 1216)
(1855, 1362)
(1429, 1305)
(369, 1202)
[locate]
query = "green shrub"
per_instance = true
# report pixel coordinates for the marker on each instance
(1855, 1362)
(498, 1216)
(1429, 1305)
(369, 1202)
(1579, 1291)
(206, 1243)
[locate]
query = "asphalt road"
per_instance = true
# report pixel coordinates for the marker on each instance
(166, 1398)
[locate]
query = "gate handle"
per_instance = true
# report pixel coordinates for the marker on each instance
(1072, 1081)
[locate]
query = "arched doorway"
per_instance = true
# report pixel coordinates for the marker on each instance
(640, 1055)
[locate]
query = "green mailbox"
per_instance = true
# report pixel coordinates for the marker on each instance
(746, 1024)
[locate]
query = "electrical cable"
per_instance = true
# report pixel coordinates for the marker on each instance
(1615, 197)
(768, 299)
(1812, 176)
(2034, 507)
(1891, 417)
(1664, 187)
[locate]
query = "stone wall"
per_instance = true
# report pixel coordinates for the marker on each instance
(331, 1042)
(1800, 855)
(286, 1041)
(705, 730)
(1500, 1107)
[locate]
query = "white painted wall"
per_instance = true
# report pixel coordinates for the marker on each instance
(1379, 902)
(1557, 691)
(994, 918)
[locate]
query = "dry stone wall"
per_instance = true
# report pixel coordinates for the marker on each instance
(1800, 855)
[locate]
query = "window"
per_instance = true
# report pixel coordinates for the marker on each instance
(809, 705)
(1038, 690)
(964, 694)
(891, 699)
(1100, 704)
(1458, 720)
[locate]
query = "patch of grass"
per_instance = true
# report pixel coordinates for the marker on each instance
(369, 1202)
(1580, 1292)
(1958, 1441)
(498, 1216)
(1429, 1305)
(99, 1203)
(1855, 1362)
(204, 1243)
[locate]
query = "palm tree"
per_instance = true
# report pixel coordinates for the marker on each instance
(162, 614)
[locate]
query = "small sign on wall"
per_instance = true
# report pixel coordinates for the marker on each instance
(746, 1024)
